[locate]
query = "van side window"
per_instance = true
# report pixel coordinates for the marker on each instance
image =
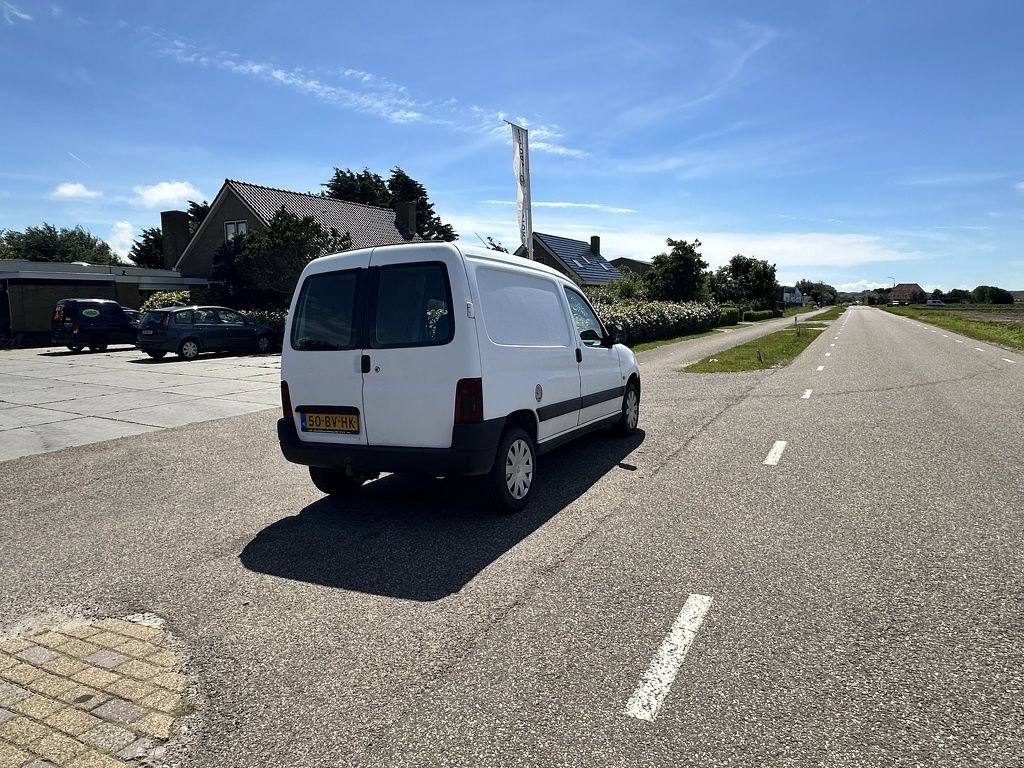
(325, 314)
(412, 306)
(522, 310)
(590, 329)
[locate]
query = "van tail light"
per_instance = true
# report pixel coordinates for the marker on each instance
(469, 401)
(56, 315)
(286, 400)
(166, 321)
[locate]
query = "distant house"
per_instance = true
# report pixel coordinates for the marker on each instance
(1018, 296)
(635, 266)
(240, 208)
(791, 295)
(905, 293)
(576, 259)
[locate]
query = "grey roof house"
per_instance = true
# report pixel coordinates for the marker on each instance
(240, 208)
(576, 259)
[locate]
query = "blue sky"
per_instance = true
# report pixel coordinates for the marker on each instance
(857, 143)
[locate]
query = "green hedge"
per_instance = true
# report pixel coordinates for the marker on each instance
(273, 317)
(752, 316)
(730, 315)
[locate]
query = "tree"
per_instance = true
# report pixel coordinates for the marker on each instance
(958, 295)
(196, 213)
(679, 275)
(149, 251)
(364, 187)
(938, 294)
(271, 260)
(369, 188)
(493, 245)
(990, 294)
(746, 280)
(821, 294)
(47, 243)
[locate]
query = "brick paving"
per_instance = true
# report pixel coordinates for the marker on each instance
(98, 694)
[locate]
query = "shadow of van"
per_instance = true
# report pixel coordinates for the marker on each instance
(421, 538)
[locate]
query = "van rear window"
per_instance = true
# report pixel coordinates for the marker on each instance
(325, 315)
(413, 306)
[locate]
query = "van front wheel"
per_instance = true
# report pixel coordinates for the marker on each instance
(512, 474)
(334, 482)
(626, 425)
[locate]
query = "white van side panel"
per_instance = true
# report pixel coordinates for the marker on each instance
(527, 352)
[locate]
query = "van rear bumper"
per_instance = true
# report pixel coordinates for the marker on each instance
(472, 452)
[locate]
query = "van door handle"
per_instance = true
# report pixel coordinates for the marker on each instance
(366, 364)
(579, 355)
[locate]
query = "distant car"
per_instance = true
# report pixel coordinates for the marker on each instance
(936, 303)
(189, 331)
(894, 303)
(92, 323)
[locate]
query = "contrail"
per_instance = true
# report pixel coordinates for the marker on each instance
(79, 159)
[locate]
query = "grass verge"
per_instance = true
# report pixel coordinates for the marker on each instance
(1005, 334)
(772, 351)
(655, 344)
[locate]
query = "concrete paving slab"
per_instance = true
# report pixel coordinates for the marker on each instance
(28, 416)
(215, 388)
(262, 396)
(197, 410)
(56, 392)
(109, 405)
(28, 441)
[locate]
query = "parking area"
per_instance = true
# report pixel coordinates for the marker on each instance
(51, 398)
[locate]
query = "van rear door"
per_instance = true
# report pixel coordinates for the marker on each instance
(325, 355)
(415, 351)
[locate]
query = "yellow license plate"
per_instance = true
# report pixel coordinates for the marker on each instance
(331, 422)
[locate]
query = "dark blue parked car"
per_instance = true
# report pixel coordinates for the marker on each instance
(92, 323)
(188, 331)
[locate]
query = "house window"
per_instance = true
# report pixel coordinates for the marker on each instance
(233, 229)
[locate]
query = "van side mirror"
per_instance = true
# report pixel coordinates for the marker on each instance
(618, 335)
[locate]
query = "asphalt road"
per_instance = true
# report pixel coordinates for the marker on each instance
(866, 591)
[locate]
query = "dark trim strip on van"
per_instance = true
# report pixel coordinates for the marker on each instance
(578, 403)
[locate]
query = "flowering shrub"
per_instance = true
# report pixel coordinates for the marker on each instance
(655, 320)
(273, 317)
(162, 299)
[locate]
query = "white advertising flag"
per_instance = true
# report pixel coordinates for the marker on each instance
(521, 167)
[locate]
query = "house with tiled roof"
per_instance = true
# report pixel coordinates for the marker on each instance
(240, 208)
(580, 261)
(906, 293)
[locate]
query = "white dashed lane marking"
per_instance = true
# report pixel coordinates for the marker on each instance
(775, 453)
(1008, 360)
(979, 349)
(821, 367)
(806, 395)
(647, 699)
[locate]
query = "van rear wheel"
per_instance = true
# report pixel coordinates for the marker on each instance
(334, 482)
(513, 471)
(74, 348)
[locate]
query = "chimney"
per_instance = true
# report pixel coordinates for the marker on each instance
(595, 245)
(405, 218)
(174, 225)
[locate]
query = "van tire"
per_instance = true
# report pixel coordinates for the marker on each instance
(189, 349)
(156, 354)
(334, 482)
(75, 348)
(626, 425)
(514, 469)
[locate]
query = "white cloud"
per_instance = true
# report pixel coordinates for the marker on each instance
(121, 238)
(809, 249)
(166, 193)
(1019, 186)
(74, 191)
(13, 14)
(587, 206)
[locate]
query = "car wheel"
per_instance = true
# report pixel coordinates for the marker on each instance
(626, 425)
(335, 482)
(513, 471)
(263, 345)
(156, 354)
(75, 348)
(189, 349)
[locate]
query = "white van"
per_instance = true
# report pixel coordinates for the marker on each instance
(444, 359)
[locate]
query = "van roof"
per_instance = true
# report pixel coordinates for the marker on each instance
(325, 263)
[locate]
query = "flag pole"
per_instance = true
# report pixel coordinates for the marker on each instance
(521, 168)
